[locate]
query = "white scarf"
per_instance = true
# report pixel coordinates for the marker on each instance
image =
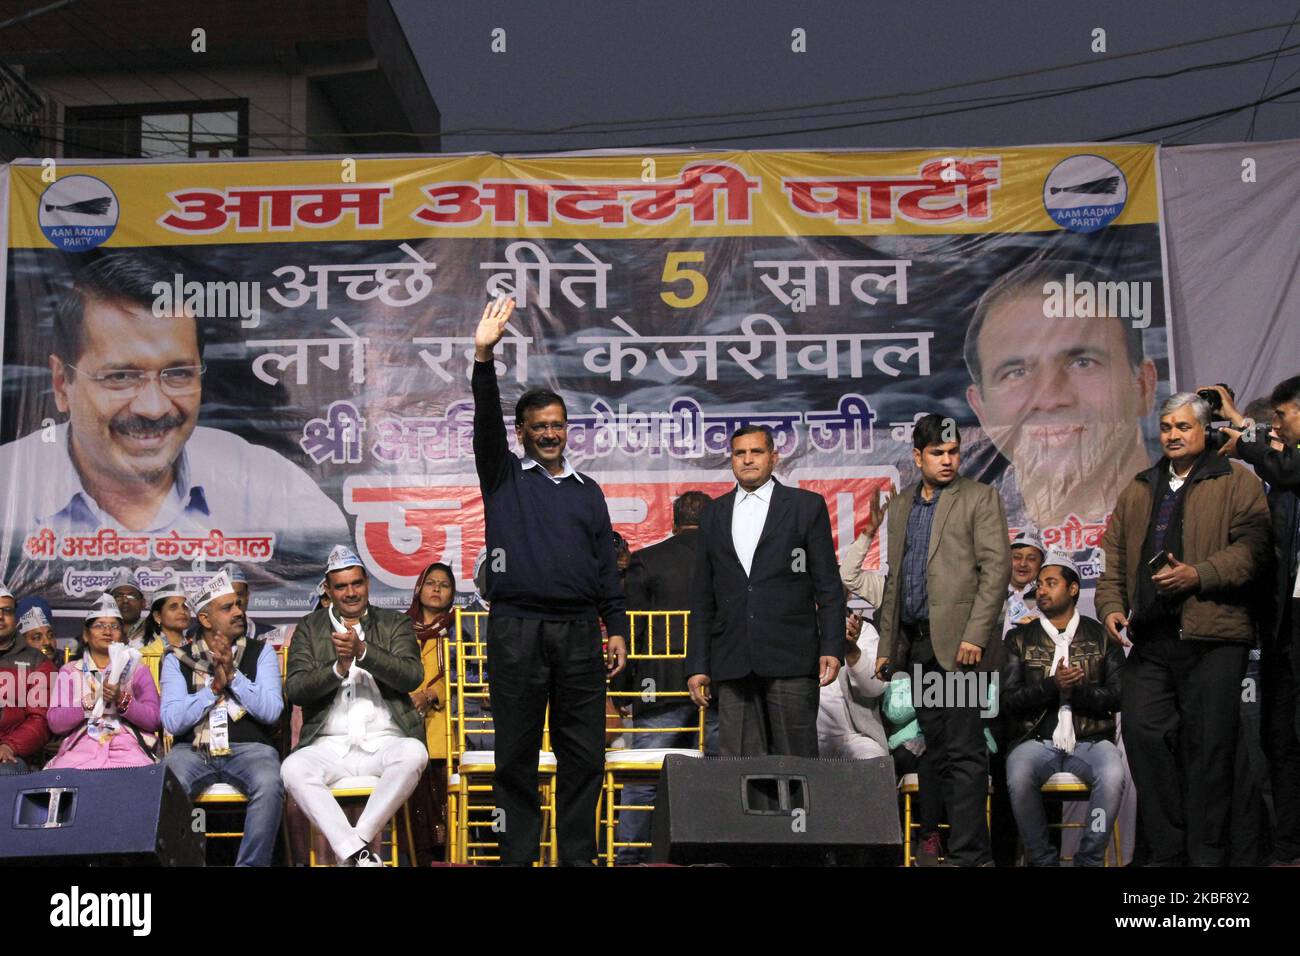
(1063, 736)
(356, 696)
(103, 722)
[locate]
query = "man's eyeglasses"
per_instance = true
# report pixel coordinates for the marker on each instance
(178, 380)
(539, 430)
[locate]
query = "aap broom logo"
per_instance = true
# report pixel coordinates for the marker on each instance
(77, 213)
(1085, 193)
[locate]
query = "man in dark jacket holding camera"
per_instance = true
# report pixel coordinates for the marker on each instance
(1186, 543)
(1061, 689)
(1275, 456)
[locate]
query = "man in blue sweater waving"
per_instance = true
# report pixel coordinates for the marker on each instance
(552, 576)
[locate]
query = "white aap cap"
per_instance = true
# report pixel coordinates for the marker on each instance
(104, 607)
(1028, 538)
(35, 618)
(124, 579)
(173, 588)
(218, 585)
(1060, 559)
(342, 557)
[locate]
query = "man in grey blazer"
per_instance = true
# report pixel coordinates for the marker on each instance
(949, 564)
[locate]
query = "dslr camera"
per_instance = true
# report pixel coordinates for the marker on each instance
(1214, 437)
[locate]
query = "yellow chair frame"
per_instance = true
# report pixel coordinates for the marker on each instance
(224, 801)
(469, 783)
(392, 839)
(643, 646)
(1074, 790)
(910, 788)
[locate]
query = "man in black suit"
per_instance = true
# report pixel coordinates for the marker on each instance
(768, 608)
(659, 579)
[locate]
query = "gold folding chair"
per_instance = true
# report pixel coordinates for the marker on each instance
(909, 786)
(360, 788)
(654, 636)
(223, 798)
(469, 770)
(1070, 788)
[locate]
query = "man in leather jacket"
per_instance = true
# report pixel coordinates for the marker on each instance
(1060, 690)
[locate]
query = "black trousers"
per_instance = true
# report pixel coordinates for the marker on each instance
(530, 664)
(1249, 834)
(1279, 713)
(955, 762)
(761, 716)
(1181, 702)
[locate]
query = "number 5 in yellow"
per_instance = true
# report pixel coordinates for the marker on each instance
(675, 271)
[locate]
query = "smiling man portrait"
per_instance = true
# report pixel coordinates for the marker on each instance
(130, 454)
(1061, 398)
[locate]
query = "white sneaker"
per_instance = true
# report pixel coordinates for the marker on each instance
(366, 858)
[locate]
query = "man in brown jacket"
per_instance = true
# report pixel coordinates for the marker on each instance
(1185, 542)
(940, 618)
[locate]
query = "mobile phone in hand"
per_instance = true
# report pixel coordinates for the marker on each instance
(1159, 562)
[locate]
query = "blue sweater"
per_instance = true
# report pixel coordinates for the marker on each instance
(550, 546)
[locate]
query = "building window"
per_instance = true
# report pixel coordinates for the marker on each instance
(207, 130)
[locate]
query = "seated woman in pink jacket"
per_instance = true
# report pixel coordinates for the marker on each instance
(107, 725)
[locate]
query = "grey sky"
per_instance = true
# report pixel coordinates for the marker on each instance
(594, 61)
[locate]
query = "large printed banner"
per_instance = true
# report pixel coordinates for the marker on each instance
(315, 389)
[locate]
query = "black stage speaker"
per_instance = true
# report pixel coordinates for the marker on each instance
(139, 816)
(789, 811)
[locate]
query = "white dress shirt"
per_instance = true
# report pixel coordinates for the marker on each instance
(747, 519)
(567, 472)
(1175, 482)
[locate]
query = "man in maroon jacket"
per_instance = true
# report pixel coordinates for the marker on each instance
(26, 680)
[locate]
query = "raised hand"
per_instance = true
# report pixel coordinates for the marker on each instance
(492, 326)
(876, 513)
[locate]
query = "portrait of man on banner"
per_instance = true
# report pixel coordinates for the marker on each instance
(127, 453)
(1060, 385)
